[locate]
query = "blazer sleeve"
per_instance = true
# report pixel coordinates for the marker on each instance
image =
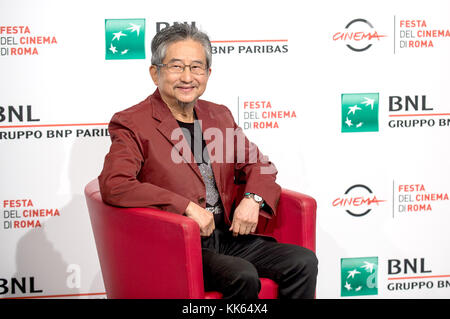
(119, 184)
(255, 170)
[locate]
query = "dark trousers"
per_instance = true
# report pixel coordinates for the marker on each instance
(233, 266)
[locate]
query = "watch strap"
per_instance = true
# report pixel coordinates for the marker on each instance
(252, 195)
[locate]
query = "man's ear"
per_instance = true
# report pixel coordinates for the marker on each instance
(154, 74)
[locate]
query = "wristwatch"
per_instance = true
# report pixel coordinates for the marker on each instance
(256, 198)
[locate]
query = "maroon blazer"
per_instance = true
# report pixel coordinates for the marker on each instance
(148, 165)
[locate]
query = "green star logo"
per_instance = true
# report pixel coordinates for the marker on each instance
(124, 39)
(360, 112)
(359, 276)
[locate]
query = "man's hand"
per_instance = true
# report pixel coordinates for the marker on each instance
(203, 218)
(245, 217)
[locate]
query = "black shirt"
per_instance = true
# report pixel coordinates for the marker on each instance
(194, 137)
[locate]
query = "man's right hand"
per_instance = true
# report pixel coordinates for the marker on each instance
(203, 218)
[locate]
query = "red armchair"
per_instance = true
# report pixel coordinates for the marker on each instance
(148, 253)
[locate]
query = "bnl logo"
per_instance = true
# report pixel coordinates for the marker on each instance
(359, 276)
(124, 39)
(359, 112)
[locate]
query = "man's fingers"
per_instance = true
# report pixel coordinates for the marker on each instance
(249, 229)
(232, 226)
(235, 228)
(208, 228)
(207, 232)
(243, 229)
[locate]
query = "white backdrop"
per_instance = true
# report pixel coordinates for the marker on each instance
(294, 55)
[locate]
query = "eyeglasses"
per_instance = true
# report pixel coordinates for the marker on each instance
(178, 67)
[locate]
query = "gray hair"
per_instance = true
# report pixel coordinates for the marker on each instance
(175, 33)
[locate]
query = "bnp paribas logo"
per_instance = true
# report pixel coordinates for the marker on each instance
(124, 39)
(359, 276)
(360, 112)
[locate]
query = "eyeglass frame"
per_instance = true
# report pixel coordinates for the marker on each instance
(204, 69)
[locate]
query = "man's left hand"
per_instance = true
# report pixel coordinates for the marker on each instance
(245, 217)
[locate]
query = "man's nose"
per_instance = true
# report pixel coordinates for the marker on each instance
(186, 75)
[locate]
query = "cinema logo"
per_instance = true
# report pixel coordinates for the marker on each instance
(359, 35)
(20, 41)
(358, 200)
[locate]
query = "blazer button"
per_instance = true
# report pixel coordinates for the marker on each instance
(201, 200)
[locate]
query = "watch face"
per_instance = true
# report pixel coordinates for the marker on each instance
(257, 198)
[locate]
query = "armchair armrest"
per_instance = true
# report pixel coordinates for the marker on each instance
(295, 220)
(140, 248)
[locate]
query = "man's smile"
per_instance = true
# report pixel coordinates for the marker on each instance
(186, 88)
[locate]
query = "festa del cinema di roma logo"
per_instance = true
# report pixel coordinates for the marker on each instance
(124, 39)
(358, 200)
(359, 276)
(359, 112)
(359, 35)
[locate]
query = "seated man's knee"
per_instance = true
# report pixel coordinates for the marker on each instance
(306, 260)
(246, 283)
